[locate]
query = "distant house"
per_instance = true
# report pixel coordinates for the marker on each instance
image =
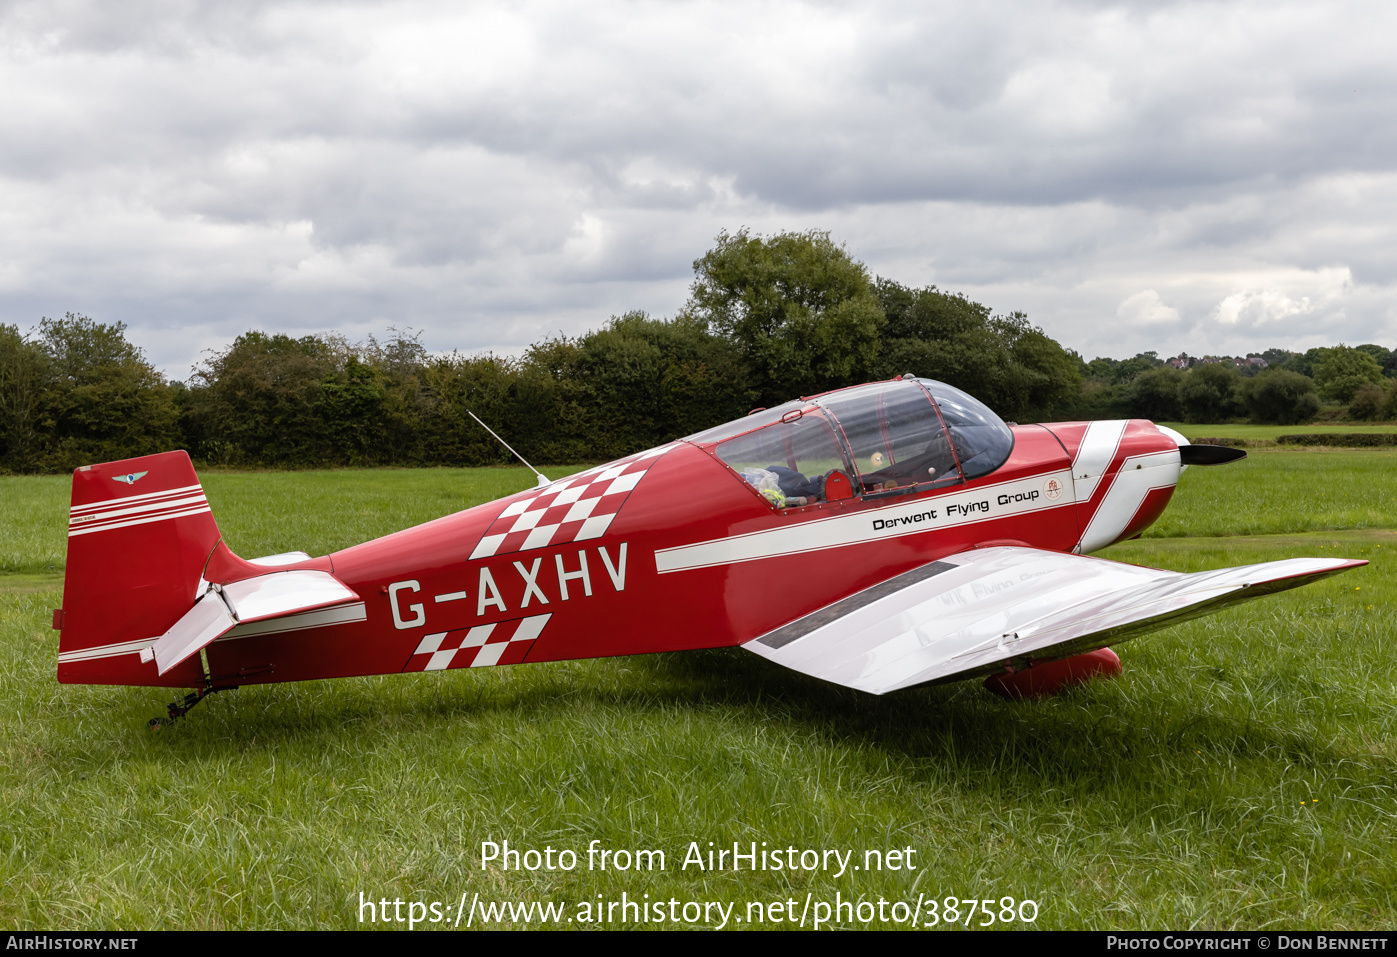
(1184, 361)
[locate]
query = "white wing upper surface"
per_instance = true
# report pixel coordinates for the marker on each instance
(976, 612)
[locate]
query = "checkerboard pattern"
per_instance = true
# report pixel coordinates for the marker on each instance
(499, 643)
(574, 509)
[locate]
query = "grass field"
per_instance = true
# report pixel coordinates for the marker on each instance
(1242, 773)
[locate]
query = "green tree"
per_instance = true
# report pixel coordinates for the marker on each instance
(1368, 402)
(1101, 400)
(944, 336)
(259, 401)
(1101, 369)
(101, 399)
(1342, 370)
(1381, 354)
(1211, 393)
(1001, 360)
(1281, 397)
(801, 311)
(1121, 371)
(549, 404)
(351, 406)
(648, 381)
(1156, 394)
(400, 364)
(1043, 377)
(1128, 369)
(526, 415)
(23, 375)
(1306, 363)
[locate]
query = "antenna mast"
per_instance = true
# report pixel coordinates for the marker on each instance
(542, 479)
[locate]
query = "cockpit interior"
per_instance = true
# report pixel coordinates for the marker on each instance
(882, 439)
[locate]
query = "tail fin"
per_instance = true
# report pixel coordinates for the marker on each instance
(139, 535)
(137, 607)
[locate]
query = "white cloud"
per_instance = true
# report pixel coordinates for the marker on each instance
(1146, 308)
(1284, 295)
(1258, 306)
(491, 173)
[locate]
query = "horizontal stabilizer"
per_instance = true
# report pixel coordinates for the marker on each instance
(988, 610)
(284, 558)
(222, 608)
(284, 593)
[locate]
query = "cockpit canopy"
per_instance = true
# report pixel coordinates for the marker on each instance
(882, 438)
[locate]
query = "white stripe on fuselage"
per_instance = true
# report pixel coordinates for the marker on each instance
(105, 651)
(1139, 475)
(948, 510)
(1094, 455)
(320, 618)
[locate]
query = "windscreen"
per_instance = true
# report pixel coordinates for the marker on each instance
(981, 438)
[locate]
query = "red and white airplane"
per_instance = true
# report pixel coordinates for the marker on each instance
(881, 537)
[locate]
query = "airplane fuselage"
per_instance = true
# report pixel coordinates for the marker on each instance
(692, 558)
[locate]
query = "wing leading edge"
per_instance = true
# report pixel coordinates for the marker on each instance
(978, 612)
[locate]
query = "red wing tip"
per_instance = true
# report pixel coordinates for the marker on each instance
(1335, 565)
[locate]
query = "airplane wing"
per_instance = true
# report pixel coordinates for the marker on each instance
(982, 611)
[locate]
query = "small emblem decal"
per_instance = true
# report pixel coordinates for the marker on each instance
(1053, 489)
(131, 478)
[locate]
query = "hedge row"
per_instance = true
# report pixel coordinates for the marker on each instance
(1346, 440)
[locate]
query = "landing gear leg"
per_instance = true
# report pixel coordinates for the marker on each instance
(178, 709)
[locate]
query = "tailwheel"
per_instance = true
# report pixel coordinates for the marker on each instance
(178, 709)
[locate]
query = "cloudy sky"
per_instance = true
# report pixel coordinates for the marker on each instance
(1208, 176)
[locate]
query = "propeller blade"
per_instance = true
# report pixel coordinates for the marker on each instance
(1209, 454)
